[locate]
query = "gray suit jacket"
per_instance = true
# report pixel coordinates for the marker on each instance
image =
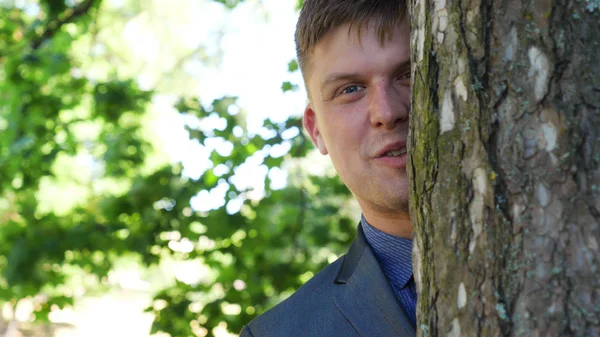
(350, 297)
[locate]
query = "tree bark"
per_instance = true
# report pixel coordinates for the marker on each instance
(504, 164)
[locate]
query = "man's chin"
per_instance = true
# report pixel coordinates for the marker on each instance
(394, 200)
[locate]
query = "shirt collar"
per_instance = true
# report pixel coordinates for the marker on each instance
(394, 254)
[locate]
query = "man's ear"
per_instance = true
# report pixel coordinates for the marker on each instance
(312, 127)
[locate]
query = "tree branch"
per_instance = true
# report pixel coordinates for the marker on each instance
(53, 26)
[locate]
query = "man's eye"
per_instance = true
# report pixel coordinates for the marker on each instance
(351, 89)
(405, 76)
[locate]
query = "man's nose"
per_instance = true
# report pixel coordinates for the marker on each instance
(388, 105)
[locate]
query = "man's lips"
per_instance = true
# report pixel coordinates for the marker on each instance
(397, 161)
(396, 146)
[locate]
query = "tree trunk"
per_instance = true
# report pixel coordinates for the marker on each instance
(505, 167)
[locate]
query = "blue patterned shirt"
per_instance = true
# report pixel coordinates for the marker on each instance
(394, 255)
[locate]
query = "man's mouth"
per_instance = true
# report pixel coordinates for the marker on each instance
(395, 149)
(395, 153)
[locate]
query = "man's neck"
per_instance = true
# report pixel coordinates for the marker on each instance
(392, 223)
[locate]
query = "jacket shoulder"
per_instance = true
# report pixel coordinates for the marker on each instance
(310, 311)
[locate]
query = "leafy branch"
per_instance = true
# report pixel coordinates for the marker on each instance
(54, 26)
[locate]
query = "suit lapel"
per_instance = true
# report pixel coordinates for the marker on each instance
(365, 297)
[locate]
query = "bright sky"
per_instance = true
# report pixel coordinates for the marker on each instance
(255, 42)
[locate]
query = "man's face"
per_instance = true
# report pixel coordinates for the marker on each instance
(358, 112)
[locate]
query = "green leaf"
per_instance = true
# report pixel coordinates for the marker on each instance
(287, 86)
(292, 66)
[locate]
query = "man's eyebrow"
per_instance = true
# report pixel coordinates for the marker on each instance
(403, 65)
(335, 77)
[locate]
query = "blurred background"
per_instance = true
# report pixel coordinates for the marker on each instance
(154, 176)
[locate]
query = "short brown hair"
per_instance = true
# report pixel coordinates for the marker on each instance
(318, 17)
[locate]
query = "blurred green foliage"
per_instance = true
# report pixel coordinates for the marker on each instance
(53, 118)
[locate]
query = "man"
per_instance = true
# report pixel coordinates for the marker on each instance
(355, 59)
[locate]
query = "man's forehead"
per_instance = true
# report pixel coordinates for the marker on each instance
(355, 32)
(345, 35)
